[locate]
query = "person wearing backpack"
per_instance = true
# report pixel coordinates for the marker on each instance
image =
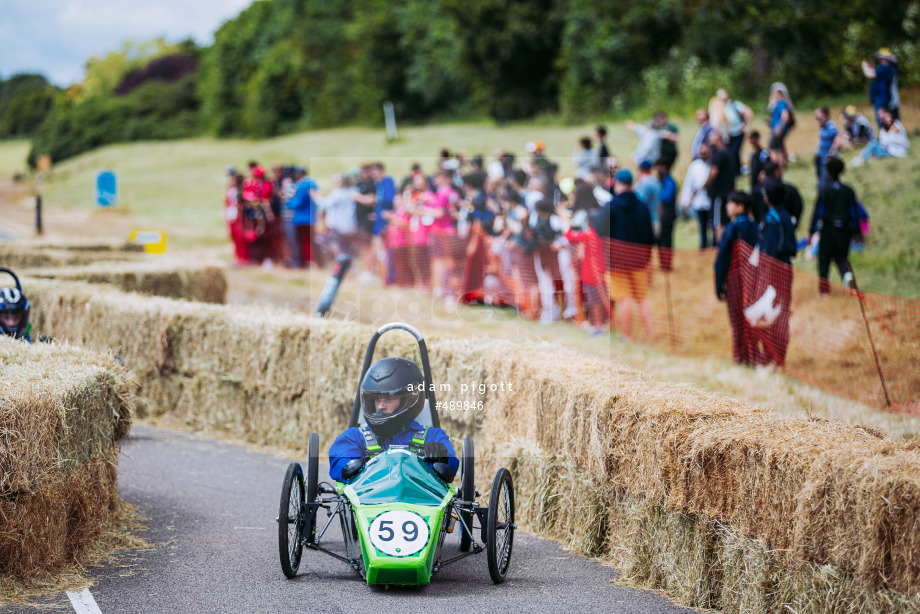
(837, 217)
(729, 276)
(777, 240)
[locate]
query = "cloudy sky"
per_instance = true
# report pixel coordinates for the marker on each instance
(56, 37)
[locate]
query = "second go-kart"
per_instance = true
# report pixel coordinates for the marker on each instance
(395, 509)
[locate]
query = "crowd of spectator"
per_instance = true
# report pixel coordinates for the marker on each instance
(513, 232)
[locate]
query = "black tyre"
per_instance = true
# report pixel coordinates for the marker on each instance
(500, 526)
(467, 490)
(312, 482)
(290, 520)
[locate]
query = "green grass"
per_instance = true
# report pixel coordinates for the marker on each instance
(179, 186)
(13, 157)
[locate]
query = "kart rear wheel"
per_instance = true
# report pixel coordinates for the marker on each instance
(290, 520)
(467, 490)
(312, 483)
(500, 526)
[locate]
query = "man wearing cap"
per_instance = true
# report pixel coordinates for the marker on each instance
(626, 222)
(883, 89)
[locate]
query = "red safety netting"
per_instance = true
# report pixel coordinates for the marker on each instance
(771, 313)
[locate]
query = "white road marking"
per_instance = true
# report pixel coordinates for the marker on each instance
(83, 602)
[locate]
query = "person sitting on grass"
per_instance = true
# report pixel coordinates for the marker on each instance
(728, 272)
(392, 397)
(892, 140)
(14, 310)
(856, 130)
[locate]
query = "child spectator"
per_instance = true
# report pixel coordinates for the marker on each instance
(693, 195)
(303, 204)
(729, 286)
(338, 209)
(591, 270)
(777, 240)
(759, 157)
(419, 196)
(397, 242)
(546, 259)
(443, 213)
(667, 214)
(837, 217)
(234, 214)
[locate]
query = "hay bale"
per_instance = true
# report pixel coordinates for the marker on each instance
(63, 411)
(584, 435)
(19, 256)
(204, 283)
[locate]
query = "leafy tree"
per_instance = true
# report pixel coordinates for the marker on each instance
(25, 100)
(103, 74)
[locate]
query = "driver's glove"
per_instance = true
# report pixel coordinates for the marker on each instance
(435, 452)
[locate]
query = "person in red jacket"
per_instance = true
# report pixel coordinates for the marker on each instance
(233, 215)
(591, 271)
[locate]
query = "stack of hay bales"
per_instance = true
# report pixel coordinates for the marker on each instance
(27, 255)
(245, 371)
(718, 503)
(205, 283)
(63, 411)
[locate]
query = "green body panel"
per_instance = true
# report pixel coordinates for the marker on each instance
(396, 477)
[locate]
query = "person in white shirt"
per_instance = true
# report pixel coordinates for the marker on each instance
(585, 158)
(892, 140)
(693, 195)
(338, 209)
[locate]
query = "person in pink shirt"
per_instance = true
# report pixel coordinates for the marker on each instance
(441, 216)
(397, 241)
(418, 197)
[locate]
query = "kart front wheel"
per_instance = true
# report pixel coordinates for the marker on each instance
(290, 520)
(467, 491)
(500, 526)
(312, 483)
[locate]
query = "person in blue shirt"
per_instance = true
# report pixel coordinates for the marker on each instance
(383, 201)
(14, 310)
(782, 119)
(392, 397)
(827, 135)
(883, 88)
(667, 213)
(303, 204)
(729, 284)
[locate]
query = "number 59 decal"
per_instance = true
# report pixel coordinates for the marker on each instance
(399, 533)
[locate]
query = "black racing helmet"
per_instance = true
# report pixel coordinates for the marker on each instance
(392, 395)
(14, 309)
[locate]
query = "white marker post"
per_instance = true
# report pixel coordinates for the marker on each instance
(389, 116)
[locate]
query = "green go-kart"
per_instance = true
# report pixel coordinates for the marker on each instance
(396, 510)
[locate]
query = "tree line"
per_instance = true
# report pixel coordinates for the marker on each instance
(287, 65)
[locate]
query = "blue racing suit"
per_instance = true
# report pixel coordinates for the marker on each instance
(352, 444)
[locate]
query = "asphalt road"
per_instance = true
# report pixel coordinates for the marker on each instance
(211, 508)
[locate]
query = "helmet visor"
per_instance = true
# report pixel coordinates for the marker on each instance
(380, 406)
